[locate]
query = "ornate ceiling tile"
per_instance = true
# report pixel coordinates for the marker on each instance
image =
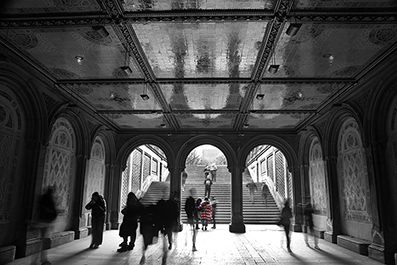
(343, 4)
(206, 120)
(50, 6)
(204, 96)
(331, 50)
(137, 121)
(274, 120)
(201, 50)
(165, 5)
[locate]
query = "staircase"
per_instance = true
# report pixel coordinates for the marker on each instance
(255, 213)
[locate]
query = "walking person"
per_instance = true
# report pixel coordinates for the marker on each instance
(213, 169)
(97, 205)
(196, 213)
(308, 213)
(264, 192)
(207, 185)
(132, 211)
(190, 209)
(205, 209)
(285, 221)
(252, 188)
(213, 204)
(149, 228)
(47, 213)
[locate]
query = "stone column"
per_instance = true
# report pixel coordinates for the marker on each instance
(112, 194)
(333, 219)
(237, 224)
(78, 223)
(175, 186)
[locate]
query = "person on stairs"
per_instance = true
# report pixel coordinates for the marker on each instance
(264, 192)
(207, 185)
(131, 211)
(252, 188)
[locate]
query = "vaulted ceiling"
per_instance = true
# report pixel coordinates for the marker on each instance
(204, 64)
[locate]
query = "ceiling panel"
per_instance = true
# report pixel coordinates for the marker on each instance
(49, 6)
(274, 121)
(122, 97)
(56, 50)
(331, 50)
(204, 96)
(138, 121)
(345, 4)
(206, 121)
(197, 50)
(163, 5)
(294, 96)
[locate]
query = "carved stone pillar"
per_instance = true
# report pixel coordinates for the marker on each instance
(333, 228)
(237, 224)
(175, 187)
(112, 193)
(78, 219)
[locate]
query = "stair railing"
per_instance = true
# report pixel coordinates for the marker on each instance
(145, 185)
(276, 195)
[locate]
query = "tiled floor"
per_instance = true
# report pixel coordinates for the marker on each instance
(260, 244)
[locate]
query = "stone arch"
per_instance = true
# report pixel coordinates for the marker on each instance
(196, 141)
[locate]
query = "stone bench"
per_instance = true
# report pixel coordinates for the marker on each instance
(357, 245)
(7, 254)
(56, 239)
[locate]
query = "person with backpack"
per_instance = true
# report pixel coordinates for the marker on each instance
(207, 185)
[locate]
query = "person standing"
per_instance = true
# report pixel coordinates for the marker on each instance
(207, 185)
(264, 192)
(97, 205)
(196, 213)
(132, 211)
(190, 209)
(285, 221)
(308, 213)
(252, 188)
(205, 213)
(213, 204)
(213, 169)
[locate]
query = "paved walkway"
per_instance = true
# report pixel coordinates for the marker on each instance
(261, 244)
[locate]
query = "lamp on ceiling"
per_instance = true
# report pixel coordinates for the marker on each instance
(101, 30)
(273, 68)
(144, 94)
(126, 68)
(293, 29)
(260, 96)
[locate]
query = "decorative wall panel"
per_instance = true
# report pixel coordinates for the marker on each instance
(280, 173)
(318, 191)
(96, 171)
(58, 163)
(352, 174)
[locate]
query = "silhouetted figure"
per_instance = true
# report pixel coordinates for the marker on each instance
(47, 213)
(213, 204)
(205, 209)
(97, 205)
(149, 228)
(285, 221)
(308, 213)
(264, 191)
(207, 185)
(132, 211)
(252, 188)
(197, 212)
(190, 209)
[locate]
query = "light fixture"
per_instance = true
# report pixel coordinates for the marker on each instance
(79, 59)
(260, 96)
(126, 68)
(246, 125)
(144, 94)
(273, 68)
(101, 30)
(293, 29)
(163, 125)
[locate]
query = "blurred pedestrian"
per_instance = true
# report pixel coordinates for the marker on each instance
(205, 209)
(264, 192)
(207, 186)
(252, 188)
(47, 213)
(149, 228)
(285, 221)
(97, 205)
(308, 213)
(131, 211)
(184, 177)
(197, 212)
(213, 204)
(190, 209)
(213, 168)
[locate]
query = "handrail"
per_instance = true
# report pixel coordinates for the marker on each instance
(145, 186)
